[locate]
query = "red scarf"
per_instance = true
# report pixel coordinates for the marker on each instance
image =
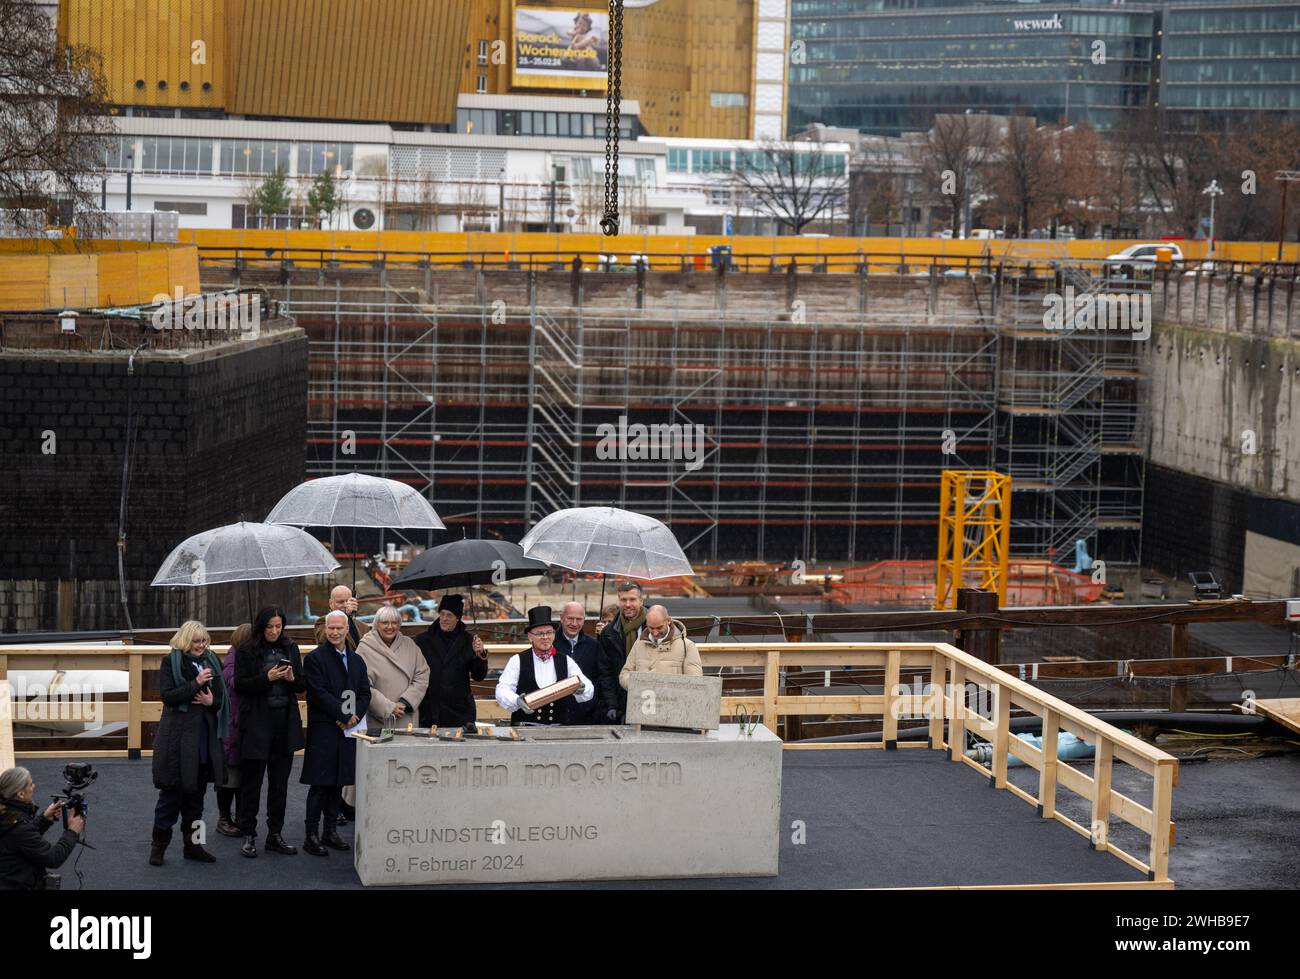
(546, 655)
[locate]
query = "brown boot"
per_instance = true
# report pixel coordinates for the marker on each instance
(161, 837)
(195, 851)
(228, 827)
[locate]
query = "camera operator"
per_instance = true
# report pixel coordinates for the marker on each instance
(24, 853)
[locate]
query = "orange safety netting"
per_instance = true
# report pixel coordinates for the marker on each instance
(913, 583)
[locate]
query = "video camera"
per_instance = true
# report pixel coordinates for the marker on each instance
(77, 777)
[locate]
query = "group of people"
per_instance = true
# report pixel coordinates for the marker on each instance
(236, 723)
(634, 638)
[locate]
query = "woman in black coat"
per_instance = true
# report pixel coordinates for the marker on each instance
(455, 657)
(25, 855)
(187, 751)
(268, 679)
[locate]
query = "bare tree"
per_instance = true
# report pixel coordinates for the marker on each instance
(1075, 190)
(1174, 167)
(409, 201)
(865, 187)
(1121, 194)
(54, 126)
(955, 151)
(1021, 171)
(635, 203)
(875, 198)
(1249, 209)
(471, 201)
(795, 184)
(428, 202)
(589, 199)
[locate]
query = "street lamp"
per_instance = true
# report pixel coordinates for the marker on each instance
(1212, 191)
(555, 175)
(501, 200)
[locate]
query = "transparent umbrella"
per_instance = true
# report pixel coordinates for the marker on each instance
(356, 500)
(607, 540)
(244, 552)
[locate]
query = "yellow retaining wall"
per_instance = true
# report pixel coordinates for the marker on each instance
(54, 274)
(442, 247)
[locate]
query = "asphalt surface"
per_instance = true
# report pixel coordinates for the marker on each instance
(1237, 822)
(869, 819)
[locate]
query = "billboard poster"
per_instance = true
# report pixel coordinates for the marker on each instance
(557, 48)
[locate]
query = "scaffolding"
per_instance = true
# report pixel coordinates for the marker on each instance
(1073, 421)
(820, 440)
(827, 406)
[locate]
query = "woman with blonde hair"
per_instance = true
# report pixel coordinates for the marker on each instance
(187, 748)
(398, 673)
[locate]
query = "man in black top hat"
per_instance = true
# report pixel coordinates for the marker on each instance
(538, 667)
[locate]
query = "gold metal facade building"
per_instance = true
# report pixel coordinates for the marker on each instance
(165, 53)
(341, 60)
(689, 63)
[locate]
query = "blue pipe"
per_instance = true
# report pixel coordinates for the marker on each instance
(1067, 747)
(1082, 560)
(408, 607)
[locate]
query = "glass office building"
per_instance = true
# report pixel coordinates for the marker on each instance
(888, 66)
(1225, 60)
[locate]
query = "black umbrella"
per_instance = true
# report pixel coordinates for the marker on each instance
(469, 563)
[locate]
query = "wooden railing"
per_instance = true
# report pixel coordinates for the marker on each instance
(929, 681)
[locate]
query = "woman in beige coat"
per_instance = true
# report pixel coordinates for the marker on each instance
(397, 671)
(662, 647)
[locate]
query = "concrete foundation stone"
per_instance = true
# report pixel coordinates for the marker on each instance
(692, 703)
(574, 803)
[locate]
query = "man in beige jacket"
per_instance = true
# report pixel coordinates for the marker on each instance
(662, 647)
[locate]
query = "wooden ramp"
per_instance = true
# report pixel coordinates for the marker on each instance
(1285, 711)
(6, 727)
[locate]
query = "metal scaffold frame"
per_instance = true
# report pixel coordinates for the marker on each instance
(499, 416)
(1073, 424)
(823, 435)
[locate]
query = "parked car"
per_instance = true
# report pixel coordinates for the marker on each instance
(1139, 257)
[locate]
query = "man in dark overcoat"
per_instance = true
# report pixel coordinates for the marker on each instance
(455, 657)
(338, 695)
(572, 641)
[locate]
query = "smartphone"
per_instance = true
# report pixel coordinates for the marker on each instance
(285, 662)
